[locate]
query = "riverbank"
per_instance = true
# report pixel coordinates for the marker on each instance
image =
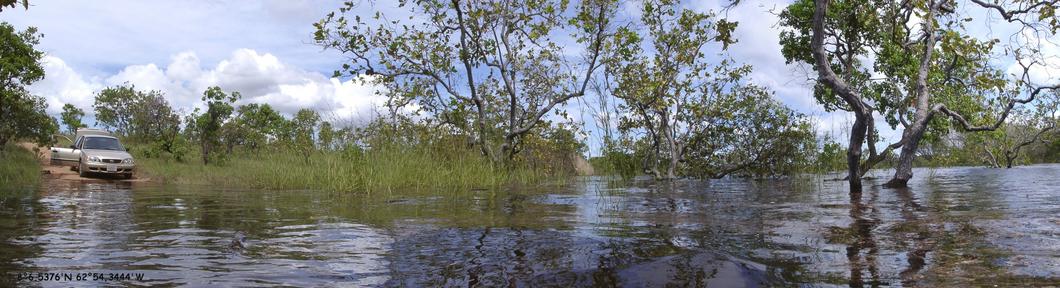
(19, 166)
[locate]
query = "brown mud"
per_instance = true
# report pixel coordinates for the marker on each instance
(67, 173)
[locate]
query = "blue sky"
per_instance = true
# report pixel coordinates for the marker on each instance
(264, 50)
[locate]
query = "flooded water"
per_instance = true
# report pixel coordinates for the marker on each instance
(953, 227)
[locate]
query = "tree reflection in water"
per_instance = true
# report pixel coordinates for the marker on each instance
(959, 227)
(864, 219)
(915, 258)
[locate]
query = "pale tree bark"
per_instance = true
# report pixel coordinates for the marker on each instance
(923, 113)
(925, 110)
(841, 88)
(466, 59)
(523, 120)
(923, 107)
(671, 146)
(991, 158)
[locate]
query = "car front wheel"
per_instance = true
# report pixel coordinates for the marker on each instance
(81, 169)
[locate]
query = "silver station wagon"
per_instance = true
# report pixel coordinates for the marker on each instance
(95, 152)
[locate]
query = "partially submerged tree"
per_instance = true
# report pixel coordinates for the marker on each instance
(22, 115)
(697, 114)
(961, 71)
(665, 88)
(1028, 126)
(925, 64)
(750, 133)
(493, 69)
(843, 78)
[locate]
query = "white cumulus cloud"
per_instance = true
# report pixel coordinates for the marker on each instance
(259, 77)
(62, 85)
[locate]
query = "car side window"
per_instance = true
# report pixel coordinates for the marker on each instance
(77, 143)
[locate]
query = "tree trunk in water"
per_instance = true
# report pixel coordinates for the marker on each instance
(675, 159)
(674, 154)
(904, 171)
(653, 167)
(840, 87)
(924, 111)
(1010, 157)
(857, 139)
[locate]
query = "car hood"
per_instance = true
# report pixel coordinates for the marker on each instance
(111, 154)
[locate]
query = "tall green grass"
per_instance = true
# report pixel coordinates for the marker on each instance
(18, 167)
(388, 169)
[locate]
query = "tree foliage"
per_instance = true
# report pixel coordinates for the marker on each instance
(696, 112)
(491, 69)
(258, 124)
(304, 125)
(114, 107)
(908, 61)
(208, 124)
(326, 136)
(1027, 127)
(22, 115)
(141, 117)
(71, 118)
(13, 3)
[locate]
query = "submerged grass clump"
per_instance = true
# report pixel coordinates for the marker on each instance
(18, 167)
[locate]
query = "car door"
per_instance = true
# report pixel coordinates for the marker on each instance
(69, 155)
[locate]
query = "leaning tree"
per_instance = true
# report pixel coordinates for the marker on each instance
(910, 61)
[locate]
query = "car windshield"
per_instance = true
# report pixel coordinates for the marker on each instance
(102, 143)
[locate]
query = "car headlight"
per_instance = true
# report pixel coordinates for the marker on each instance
(127, 161)
(94, 159)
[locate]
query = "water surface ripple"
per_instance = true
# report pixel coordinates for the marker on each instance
(952, 227)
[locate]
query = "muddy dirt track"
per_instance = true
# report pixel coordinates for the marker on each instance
(66, 173)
